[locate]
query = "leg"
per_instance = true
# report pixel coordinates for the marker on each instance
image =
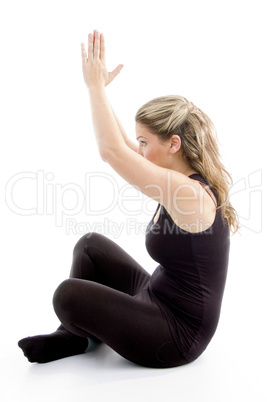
(99, 259)
(95, 258)
(131, 325)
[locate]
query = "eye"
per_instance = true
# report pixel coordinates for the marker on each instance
(143, 143)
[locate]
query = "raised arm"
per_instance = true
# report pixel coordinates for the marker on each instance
(96, 78)
(131, 144)
(155, 181)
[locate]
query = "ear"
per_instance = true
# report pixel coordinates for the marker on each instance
(175, 144)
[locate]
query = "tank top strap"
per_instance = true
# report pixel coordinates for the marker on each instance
(206, 186)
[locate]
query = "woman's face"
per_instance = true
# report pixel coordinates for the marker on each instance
(151, 147)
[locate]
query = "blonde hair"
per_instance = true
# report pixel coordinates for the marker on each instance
(169, 115)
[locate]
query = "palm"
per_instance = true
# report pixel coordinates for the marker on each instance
(94, 66)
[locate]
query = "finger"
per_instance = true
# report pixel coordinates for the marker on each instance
(90, 46)
(102, 54)
(97, 44)
(83, 52)
(116, 71)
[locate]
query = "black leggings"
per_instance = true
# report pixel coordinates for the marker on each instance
(107, 297)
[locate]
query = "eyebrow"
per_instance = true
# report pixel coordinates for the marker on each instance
(141, 136)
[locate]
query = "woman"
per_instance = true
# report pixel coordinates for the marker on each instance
(166, 319)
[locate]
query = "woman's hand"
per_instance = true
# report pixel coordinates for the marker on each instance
(94, 68)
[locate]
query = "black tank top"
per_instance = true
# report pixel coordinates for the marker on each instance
(188, 284)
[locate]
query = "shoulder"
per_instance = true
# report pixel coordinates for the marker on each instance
(194, 205)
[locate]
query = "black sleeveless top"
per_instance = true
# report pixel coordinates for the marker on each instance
(188, 284)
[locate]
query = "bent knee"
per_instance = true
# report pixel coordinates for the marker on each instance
(91, 238)
(64, 296)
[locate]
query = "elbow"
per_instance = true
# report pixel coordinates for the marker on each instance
(104, 154)
(108, 154)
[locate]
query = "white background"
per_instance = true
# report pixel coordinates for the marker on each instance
(211, 52)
